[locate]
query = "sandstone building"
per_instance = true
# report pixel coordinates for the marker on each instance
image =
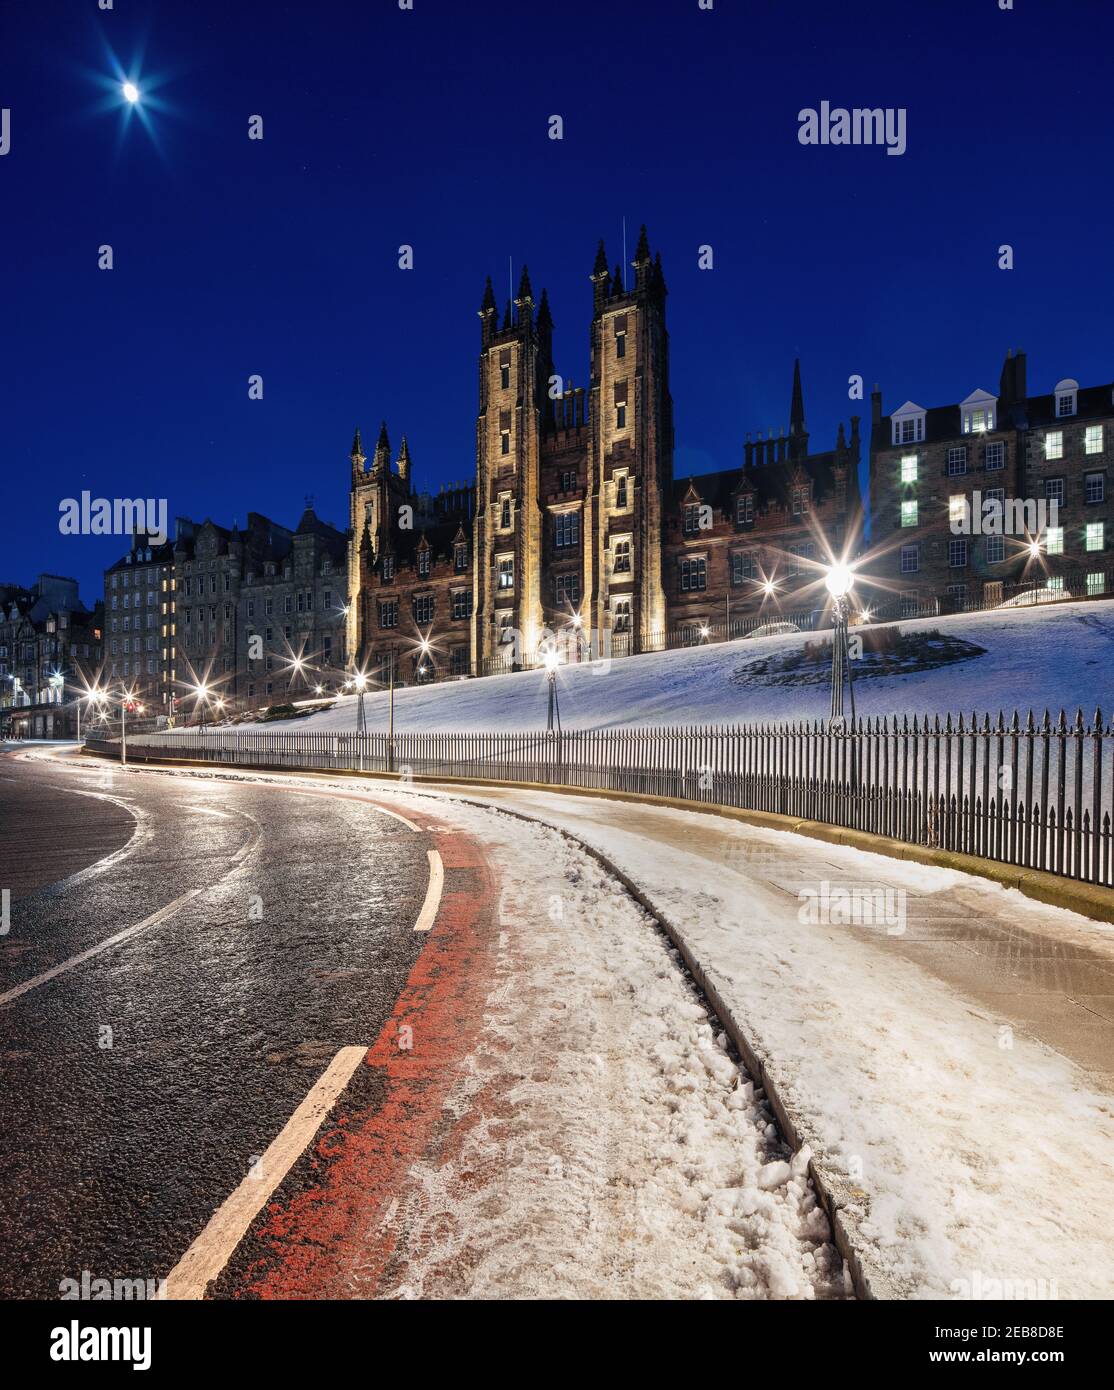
(574, 520)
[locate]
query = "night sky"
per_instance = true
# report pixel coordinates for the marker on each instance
(429, 127)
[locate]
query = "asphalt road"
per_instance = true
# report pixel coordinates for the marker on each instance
(142, 1081)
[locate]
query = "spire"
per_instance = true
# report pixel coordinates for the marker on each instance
(643, 251)
(798, 434)
(404, 461)
(545, 318)
(382, 460)
(507, 317)
(600, 267)
(617, 282)
(797, 409)
(524, 290)
(358, 457)
(657, 278)
(488, 304)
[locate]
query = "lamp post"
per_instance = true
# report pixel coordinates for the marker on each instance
(839, 581)
(552, 661)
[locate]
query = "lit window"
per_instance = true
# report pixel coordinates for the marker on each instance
(1054, 444)
(566, 529)
(957, 507)
(1092, 440)
(1055, 584)
(1096, 583)
(909, 468)
(1054, 540)
(506, 572)
(909, 513)
(1096, 536)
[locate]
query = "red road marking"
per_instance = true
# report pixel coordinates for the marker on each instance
(317, 1239)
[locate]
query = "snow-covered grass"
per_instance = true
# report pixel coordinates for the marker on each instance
(1049, 656)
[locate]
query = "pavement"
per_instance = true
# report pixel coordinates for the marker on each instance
(1047, 973)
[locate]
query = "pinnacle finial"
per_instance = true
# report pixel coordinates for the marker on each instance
(488, 304)
(524, 290)
(600, 267)
(357, 455)
(642, 253)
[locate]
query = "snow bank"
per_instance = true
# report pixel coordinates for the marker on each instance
(1050, 656)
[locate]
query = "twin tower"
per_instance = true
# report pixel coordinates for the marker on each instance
(564, 521)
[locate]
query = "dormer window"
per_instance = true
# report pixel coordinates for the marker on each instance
(1066, 396)
(979, 412)
(423, 563)
(744, 509)
(908, 424)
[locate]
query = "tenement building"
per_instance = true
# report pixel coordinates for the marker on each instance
(978, 502)
(139, 612)
(50, 648)
(260, 611)
(574, 520)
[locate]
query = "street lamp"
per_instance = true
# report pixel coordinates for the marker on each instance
(840, 581)
(552, 661)
(359, 680)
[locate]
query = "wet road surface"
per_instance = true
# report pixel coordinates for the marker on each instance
(142, 1081)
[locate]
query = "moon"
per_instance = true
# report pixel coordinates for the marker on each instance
(131, 92)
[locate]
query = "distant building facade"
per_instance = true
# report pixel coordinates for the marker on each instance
(973, 502)
(50, 643)
(140, 616)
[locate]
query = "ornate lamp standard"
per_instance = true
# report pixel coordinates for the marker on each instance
(552, 661)
(840, 581)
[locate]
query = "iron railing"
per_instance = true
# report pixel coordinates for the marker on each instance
(1036, 793)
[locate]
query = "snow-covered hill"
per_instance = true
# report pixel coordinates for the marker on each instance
(1061, 655)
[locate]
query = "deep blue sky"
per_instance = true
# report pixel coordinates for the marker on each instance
(430, 127)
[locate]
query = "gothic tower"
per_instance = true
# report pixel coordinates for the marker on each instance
(630, 464)
(507, 524)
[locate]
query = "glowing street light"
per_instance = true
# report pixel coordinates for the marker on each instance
(840, 580)
(131, 92)
(552, 660)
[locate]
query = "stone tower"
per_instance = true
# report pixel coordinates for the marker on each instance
(630, 464)
(514, 371)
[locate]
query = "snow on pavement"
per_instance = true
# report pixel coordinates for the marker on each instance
(962, 1157)
(629, 1156)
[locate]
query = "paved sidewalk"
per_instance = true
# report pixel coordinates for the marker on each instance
(956, 1080)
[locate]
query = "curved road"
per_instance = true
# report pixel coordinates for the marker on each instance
(179, 972)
